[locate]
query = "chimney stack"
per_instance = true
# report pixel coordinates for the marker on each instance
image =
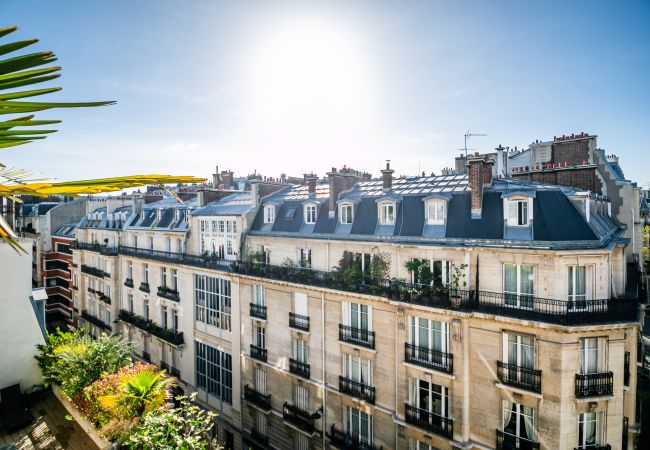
(227, 179)
(311, 183)
(501, 166)
(479, 173)
(215, 178)
(340, 182)
(387, 177)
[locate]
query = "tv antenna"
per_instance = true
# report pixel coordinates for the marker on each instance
(468, 135)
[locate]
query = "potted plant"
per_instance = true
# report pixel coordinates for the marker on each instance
(456, 282)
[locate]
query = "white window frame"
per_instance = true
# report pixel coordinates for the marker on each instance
(300, 350)
(436, 212)
(519, 418)
(384, 217)
(415, 396)
(523, 299)
(579, 301)
(269, 214)
(358, 369)
(259, 295)
(311, 213)
(518, 211)
(432, 327)
(353, 315)
(354, 418)
(346, 213)
(598, 418)
(520, 342)
(593, 355)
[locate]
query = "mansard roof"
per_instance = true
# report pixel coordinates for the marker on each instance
(232, 205)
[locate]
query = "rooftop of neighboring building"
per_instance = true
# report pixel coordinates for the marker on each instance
(231, 205)
(66, 230)
(37, 209)
(168, 214)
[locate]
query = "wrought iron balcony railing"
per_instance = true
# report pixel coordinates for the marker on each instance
(521, 377)
(298, 322)
(94, 271)
(209, 262)
(144, 287)
(594, 384)
(357, 389)
(95, 321)
(432, 359)
(128, 282)
(507, 441)
(262, 401)
(168, 293)
(258, 311)
(147, 325)
(259, 353)
(348, 441)
(298, 418)
(428, 421)
(94, 247)
(356, 336)
(299, 368)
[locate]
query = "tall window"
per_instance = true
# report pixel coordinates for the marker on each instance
(519, 350)
(130, 299)
(265, 250)
(163, 276)
(146, 273)
(387, 214)
(214, 371)
(259, 337)
(436, 213)
(135, 240)
(518, 212)
(150, 242)
(518, 420)
(593, 355)
(300, 304)
(269, 214)
(175, 279)
(414, 444)
(260, 380)
(145, 306)
(578, 286)
(169, 245)
(428, 334)
(345, 213)
(518, 285)
(212, 301)
(301, 397)
(429, 397)
(260, 422)
(310, 214)
(357, 368)
(175, 320)
(358, 425)
(163, 316)
(300, 350)
(356, 315)
(591, 430)
(129, 270)
(259, 295)
(305, 258)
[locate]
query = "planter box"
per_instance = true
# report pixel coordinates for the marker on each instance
(88, 427)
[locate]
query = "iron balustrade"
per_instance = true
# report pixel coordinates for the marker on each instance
(94, 247)
(128, 282)
(299, 368)
(348, 441)
(596, 447)
(94, 271)
(429, 358)
(298, 417)
(429, 421)
(507, 441)
(144, 287)
(208, 262)
(258, 311)
(95, 321)
(259, 437)
(298, 322)
(258, 353)
(358, 336)
(168, 293)
(103, 297)
(526, 307)
(262, 401)
(521, 377)
(147, 325)
(594, 384)
(357, 389)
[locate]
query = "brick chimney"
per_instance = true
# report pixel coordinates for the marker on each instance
(340, 182)
(311, 183)
(479, 173)
(227, 179)
(387, 177)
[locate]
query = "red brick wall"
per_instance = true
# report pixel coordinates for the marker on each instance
(575, 152)
(579, 178)
(479, 173)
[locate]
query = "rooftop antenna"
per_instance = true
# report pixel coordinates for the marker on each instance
(468, 135)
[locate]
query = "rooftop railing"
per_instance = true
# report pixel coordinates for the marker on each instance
(94, 271)
(147, 325)
(207, 261)
(94, 247)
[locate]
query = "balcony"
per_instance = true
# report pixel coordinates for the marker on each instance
(97, 248)
(298, 418)
(520, 377)
(429, 421)
(168, 293)
(357, 336)
(562, 312)
(150, 327)
(258, 311)
(594, 384)
(347, 441)
(357, 389)
(298, 322)
(597, 447)
(103, 297)
(506, 441)
(262, 401)
(144, 287)
(431, 359)
(94, 271)
(258, 353)
(208, 262)
(128, 282)
(299, 368)
(259, 438)
(95, 321)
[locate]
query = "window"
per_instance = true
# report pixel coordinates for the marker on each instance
(169, 245)
(202, 226)
(357, 368)
(429, 334)
(145, 307)
(301, 442)
(518, 421)
(146, 273)
(345, 213)
(212, 301)
(163, 276)
(591, 430)
(414, 444)
(519, 350)
(258, 295)
(158, 215)
(301, 397)
(269, 214)
(356, 315)
(358, 425)
(387, 214)
(310, 214)
(129, 270)
(150, 242)
(265, 250)
(429, 397)
(229, 247)
(260, 380)
(300, 350)
(518, 285)
(179, 245)
(593, 355)
(305, 258)
(135, 240)
(290, 214)
(259, 337)
(300, 304)
(214, 371)
(175, 320)
(221, 227)
(579, 287)
(174, 279)
(163, 316)
(436, 212)
(260, 422)
(518, 213)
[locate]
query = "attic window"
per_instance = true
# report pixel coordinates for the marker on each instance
(269, 214)
(187, 215)
(177, 215)
(387, 213)
(346, 213)
(310, 213)
(436, 212)
(141, 215)
(518, 212)
(291, 214)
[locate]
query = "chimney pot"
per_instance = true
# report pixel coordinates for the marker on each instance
(387, 176)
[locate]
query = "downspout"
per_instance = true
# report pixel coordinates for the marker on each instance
(322, 340)
(397, 365)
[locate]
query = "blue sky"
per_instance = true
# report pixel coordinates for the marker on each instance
(291, 87)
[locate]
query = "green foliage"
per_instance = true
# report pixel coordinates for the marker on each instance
(380, 266)
(185, 428)
(421, 270)
(288, 262)
(76, 360)
(457, 280)
(645, 248)
(138, 393)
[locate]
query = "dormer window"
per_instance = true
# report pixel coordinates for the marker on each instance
(269, 214)
(346, 213)
(177, 215)
(310, 213)
(387, 213)
(436, 212)
(518, 213)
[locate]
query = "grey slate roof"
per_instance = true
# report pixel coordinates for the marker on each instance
(148, 216)
(66, 230)
(100, 219)
(232, 205)
(38, 209)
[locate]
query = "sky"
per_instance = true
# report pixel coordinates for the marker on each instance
(304, 86)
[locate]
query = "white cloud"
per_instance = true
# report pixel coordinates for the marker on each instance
(183, 147)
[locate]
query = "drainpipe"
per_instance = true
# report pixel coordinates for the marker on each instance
(322, 341)
(633, 234)
(397, 366)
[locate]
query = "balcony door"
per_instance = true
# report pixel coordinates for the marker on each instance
(356, 315)
(518, 422)
(260, 381)
(429, 334)
(431, 398)
(518, 285)
(593, 355)
(519, 350)
(259, 298)
(301, 397)
(300, 350)
(357, 369)
(358, 425)
(579, 287)
(591, 430)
